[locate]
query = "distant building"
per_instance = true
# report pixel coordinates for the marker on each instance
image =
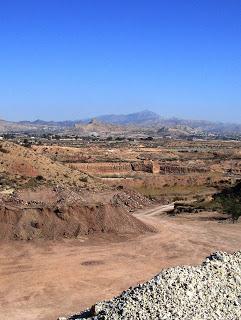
(94, 134)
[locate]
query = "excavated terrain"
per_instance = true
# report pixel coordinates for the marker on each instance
(77, 202)
(44, 199)
(165, 170)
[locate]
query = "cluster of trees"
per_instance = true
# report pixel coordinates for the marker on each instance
(229, 200)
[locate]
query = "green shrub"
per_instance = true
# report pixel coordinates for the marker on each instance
(229, 200)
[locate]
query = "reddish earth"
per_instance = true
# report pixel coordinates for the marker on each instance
(24, 162)
(46, 279)
(66, 222)
(54, 212)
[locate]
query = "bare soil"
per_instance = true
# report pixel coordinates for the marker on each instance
(46, 279)
(67, 222)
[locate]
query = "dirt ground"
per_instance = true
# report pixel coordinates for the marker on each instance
(46, 279)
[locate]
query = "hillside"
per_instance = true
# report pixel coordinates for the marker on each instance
(24, 162)
(7, 126)
(96, 126)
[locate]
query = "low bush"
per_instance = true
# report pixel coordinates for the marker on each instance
(229, 200)
(3, 150)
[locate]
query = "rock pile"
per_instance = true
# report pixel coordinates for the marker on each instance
(211, 291)
(130, 200)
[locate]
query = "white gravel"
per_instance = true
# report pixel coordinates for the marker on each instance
(210, 291)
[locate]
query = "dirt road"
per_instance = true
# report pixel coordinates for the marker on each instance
(43, 280)
(156, 211)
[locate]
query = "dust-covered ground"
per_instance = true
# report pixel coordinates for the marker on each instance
(46, 279)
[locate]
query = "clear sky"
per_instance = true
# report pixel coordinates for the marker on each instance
(71, 59)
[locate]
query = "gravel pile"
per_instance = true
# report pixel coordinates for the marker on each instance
(210, 291)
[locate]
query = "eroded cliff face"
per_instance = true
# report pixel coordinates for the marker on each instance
(161, 181)
(142, 166)
(117, 168)
(145, 166)
(175, 168)
(104, 168)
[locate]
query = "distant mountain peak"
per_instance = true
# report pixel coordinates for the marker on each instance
(146, 112)
(141, 117)
(93, 121)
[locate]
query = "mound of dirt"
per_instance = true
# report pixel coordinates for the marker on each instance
(130, 200)
(66, 222)
(55, 212)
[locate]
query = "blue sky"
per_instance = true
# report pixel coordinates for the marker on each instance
(71, 59)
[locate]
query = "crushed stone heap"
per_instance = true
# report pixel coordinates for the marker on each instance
(209, 291)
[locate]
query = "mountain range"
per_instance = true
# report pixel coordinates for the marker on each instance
(143, 119)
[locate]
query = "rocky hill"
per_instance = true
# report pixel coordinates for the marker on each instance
(96, 126)
(148, 118)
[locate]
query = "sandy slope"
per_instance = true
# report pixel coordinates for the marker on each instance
(43, 280)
